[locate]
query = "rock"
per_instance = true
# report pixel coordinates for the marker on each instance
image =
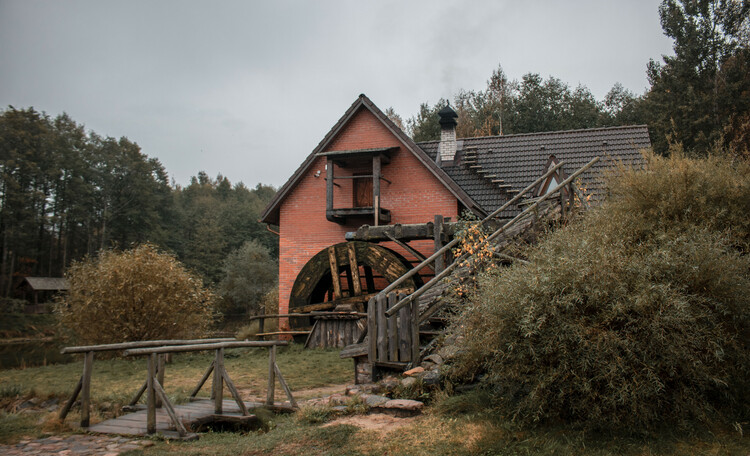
(373, 400)
(389, 382)
(431, 377)
(408, 382)
(404, 404)
(416, 370)
(448, 351)
(352, 390)
(435, 358)
(339, 408)
(338, 399)
(147, 443)
(401, 407)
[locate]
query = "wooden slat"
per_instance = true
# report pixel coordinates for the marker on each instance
(371, 331)
(392, 331)
(203, 379)
(170, 410)
(354, 268)
(369, 279)
(414, 331)
(404, 334)
(334, 272)
(285, 387)
(382, 329)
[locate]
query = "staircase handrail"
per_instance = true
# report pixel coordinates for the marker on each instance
(445, 272)
(455, 241)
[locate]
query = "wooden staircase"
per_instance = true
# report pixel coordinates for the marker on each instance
(400, 326)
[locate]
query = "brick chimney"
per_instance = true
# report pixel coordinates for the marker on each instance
(447, 147)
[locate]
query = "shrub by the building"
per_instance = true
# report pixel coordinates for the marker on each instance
(137, 294)
(635, 315)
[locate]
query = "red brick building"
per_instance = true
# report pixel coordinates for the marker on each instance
(367, 171)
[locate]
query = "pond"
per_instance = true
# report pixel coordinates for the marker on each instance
(32, 353)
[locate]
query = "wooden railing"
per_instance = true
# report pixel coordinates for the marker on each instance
(379, 325)
(155, 390)
(84, 383)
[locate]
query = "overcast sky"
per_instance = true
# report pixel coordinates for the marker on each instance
(247, 89)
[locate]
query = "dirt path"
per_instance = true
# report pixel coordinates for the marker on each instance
(373, 422)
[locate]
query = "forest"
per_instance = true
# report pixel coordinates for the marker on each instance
(67, 193)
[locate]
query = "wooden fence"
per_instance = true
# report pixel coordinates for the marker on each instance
(393, 340)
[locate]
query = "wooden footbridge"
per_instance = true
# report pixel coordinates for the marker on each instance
(159, 414)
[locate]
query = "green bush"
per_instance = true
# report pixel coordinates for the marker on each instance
(634, 315)
(138, 294)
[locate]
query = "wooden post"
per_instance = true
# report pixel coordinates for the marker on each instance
(376, 187)
(285, 387)
(392, 330)
(438, 235)
(271, 374)
(354, 268)
(372, 330)
(329, 186)
(334, 272)
(235, 393)
(261, 324)
(369, 279)
(415, 332)
(88, 364)
(382, 328)
(151, 395)
(159, 376)
(162, 396)
(218, 381)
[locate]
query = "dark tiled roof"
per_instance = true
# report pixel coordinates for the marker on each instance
(515, 161)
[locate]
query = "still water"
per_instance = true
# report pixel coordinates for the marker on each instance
(32, 353)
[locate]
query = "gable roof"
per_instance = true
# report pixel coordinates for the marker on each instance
(47, 283)
(271, 213)
(515, 161)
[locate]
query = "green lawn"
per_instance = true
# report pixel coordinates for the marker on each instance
(441, 430)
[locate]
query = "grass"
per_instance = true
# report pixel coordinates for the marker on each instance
(19, 325)
(457, 425)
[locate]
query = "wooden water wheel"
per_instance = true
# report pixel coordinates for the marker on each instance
(344, 277)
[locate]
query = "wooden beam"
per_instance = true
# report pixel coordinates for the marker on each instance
(271, 376)
(376, 187)
(218, 386)
(409, 249)
(88, 365)
(438, 237)
(334, 272)
(355, 269)
(329, 185)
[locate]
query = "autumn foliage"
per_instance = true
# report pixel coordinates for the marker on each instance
(137, 294)
(635, 315)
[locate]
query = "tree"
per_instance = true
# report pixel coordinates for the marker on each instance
(694, 96)
(250, 272)
(137, 294)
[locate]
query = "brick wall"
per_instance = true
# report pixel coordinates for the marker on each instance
(413, 196)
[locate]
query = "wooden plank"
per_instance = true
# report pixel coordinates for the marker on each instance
(285, 387)
(382, 328)
(271, 375)
(150, 395)
(218, 386)
(369, 279)
(415, 332)
(311, 336)
(371, 330)
(76, 391)
(88, 365)
(438, 240)
(355, 269)
(235, 393)
(392, 331)
(170, 411)
(203, 379)
(376, 187)
(404, 334)
(159, 375)
(329, 185)
(142, 344)
(313, 307)
(335, 277)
